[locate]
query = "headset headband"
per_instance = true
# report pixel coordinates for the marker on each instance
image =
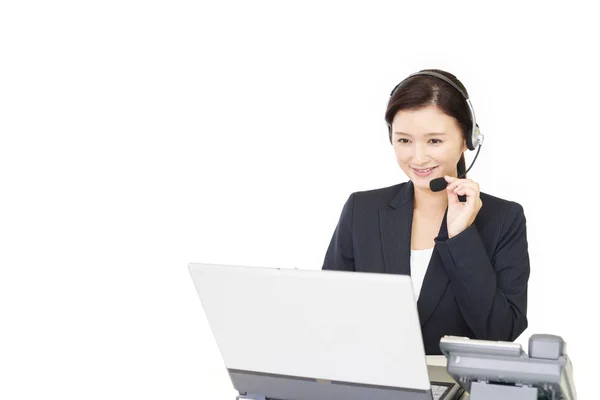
(476, 138)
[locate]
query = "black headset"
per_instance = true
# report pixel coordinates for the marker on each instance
(475, 139)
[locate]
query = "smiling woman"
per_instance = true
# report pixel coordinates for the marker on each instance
(466, 251)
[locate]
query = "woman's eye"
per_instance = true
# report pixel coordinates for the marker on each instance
(403, 140)
(435, 141)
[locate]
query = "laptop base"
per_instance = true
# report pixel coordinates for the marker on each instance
(281, 387)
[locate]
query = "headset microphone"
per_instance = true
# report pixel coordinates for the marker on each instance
(438, 184)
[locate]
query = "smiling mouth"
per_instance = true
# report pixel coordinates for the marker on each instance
(423, 171)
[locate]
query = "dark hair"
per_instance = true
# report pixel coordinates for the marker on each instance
(422, 91)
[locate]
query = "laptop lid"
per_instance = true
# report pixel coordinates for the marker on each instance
(354, 329)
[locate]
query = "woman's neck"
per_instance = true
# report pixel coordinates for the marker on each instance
(426, 200)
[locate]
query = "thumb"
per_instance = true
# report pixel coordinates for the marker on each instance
(452, 197)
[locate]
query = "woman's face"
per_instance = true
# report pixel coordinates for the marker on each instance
(427, 143)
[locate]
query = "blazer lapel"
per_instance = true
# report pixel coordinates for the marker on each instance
(435, 281)
(395, 225)
(395, 228)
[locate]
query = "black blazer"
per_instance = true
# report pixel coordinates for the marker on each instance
(476, 282)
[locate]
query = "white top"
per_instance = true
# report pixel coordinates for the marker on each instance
(419, 261)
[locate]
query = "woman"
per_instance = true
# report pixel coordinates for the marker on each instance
(465, 250)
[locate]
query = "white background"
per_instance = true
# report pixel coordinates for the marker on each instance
(137, 137)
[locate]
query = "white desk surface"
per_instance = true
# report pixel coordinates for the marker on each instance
(436, 360)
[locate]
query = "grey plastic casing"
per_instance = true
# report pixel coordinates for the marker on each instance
(488, 367)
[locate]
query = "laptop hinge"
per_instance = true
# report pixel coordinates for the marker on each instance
(250, 396)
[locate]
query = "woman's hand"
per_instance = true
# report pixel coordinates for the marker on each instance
(461, 215)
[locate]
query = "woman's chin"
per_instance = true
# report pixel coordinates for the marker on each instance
(419, 184)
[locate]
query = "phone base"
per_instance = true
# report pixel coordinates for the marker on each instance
(489, 391)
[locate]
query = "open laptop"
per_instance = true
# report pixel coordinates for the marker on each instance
(317, 335)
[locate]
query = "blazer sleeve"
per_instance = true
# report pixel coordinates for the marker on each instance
(491, 292)
(340, 254)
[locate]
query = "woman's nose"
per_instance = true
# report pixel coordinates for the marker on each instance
(420, 154)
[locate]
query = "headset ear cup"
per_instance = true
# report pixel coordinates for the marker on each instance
(473, 141)
(470, 141)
